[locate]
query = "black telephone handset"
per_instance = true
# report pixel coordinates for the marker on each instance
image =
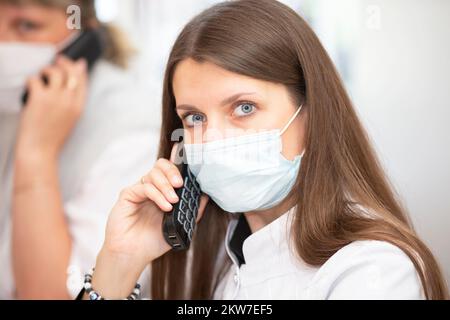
(88, 45)
(178, 225)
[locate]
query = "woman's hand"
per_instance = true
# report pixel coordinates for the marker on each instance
(52, 109)
(134, 230)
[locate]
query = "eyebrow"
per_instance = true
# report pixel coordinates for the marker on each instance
(234, 97)
(225, 101)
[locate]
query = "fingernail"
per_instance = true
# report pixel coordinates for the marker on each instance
(177, 180)
(173, 195)
(168, 206)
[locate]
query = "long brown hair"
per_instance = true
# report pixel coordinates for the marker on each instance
(340, 179)
(118, 49)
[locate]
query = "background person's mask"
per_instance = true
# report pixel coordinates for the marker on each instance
(244, 173)
(19, 61)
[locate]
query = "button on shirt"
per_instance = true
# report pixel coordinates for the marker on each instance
(265, 267)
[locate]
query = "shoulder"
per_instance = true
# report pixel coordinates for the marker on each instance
(131, 90)
(368, 269)
(106, 70)
(121, 163)
(132, 153)
(107, 79)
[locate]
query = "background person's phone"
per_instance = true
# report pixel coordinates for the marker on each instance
(178, 225)
(88, 45)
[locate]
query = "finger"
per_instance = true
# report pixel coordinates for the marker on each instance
(201, 210)
(171, 171)
(35, 85)
(67, 66)
(134, 194)
(140, 193)
(55, 77)
(157, 197)
(75, 70)
(64, 62)
(161, 182)
(82, 85)
(70, 68)
(75, 87)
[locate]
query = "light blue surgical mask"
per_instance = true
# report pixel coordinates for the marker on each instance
(246, 172)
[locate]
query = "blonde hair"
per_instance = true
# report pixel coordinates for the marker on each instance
(118, 49)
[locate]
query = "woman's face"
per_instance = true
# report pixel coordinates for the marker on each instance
(224, 104)
(32, 23)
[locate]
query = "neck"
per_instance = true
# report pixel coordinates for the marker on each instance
(258, 219)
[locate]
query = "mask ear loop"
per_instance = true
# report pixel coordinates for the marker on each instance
(292, 119)
(289, 122)
(303, 153)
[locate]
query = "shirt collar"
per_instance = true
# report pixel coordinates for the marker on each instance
(249, 248)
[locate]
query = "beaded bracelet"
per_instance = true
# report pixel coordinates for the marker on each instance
(93, 295)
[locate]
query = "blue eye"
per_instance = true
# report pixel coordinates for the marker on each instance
(194, 119)
(26, 26)
(244, 109)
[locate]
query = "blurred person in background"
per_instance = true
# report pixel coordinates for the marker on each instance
(60, 153)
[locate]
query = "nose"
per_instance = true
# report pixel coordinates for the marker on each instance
(219, 127)
(213, 130)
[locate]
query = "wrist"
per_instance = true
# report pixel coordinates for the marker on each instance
(116, 274)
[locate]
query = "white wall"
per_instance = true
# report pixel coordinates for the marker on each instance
(402, 91)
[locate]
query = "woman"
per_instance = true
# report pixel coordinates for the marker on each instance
(322, 223)
(72, 130)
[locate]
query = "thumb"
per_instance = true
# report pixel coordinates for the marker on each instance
(175, 158)
(203, 202)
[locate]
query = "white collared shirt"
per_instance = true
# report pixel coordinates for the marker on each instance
(366, 269)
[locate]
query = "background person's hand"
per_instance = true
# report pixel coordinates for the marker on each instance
(52, 109)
